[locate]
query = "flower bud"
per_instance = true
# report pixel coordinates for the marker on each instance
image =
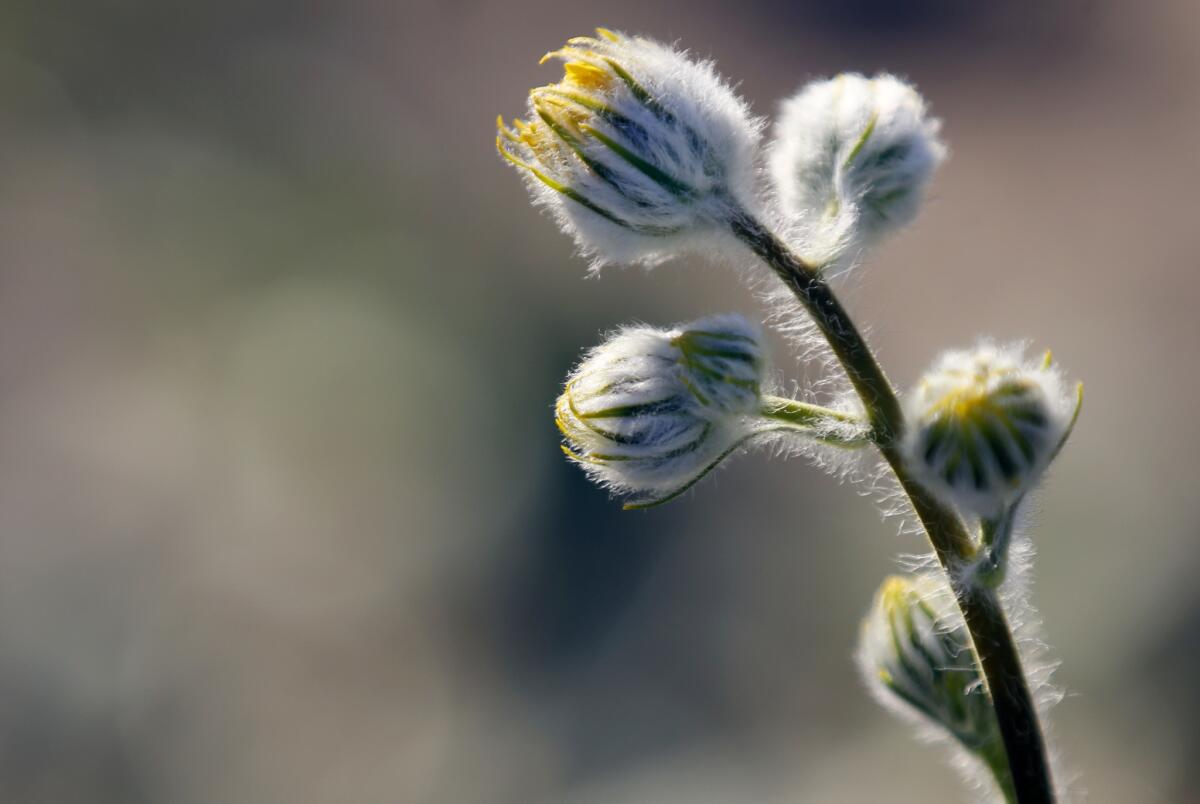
(637, 150)
(649, 412)
(916, 658)
(851, 159)
(984, 424)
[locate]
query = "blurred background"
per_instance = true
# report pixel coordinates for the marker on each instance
(282, 512)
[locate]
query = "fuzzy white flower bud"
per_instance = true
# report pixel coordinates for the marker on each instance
(637, 151)
(851, 159)
(985, 423)
(650, 411)
(915, 656)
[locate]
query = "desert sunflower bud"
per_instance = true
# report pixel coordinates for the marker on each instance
(650, 411)
(637, 151)
(985, 423)
(851, 159)
(915, 656)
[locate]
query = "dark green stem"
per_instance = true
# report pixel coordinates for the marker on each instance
(994, 756)
(993, 642)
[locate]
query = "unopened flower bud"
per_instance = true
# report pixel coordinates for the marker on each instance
(637, 150)
(851, 159)
(915, 656)
(650, 411)
(985, 423)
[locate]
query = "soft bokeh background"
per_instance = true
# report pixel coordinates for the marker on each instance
(282, 514)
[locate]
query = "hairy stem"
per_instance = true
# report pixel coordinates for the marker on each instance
(804, 413)
(991, 636)
(823, 424)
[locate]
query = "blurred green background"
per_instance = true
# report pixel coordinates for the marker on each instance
(282, 512)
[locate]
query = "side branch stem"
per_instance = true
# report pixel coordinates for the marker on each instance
(984, 616)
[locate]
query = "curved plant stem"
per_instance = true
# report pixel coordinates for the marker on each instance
(991, 636)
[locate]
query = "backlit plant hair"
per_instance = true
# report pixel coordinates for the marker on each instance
(641, 154)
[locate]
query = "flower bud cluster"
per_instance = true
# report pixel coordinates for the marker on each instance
(636, 150)
(641, 154)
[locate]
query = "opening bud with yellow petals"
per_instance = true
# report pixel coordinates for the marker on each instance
(985, 423)
(850, 161)
(637, 150)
